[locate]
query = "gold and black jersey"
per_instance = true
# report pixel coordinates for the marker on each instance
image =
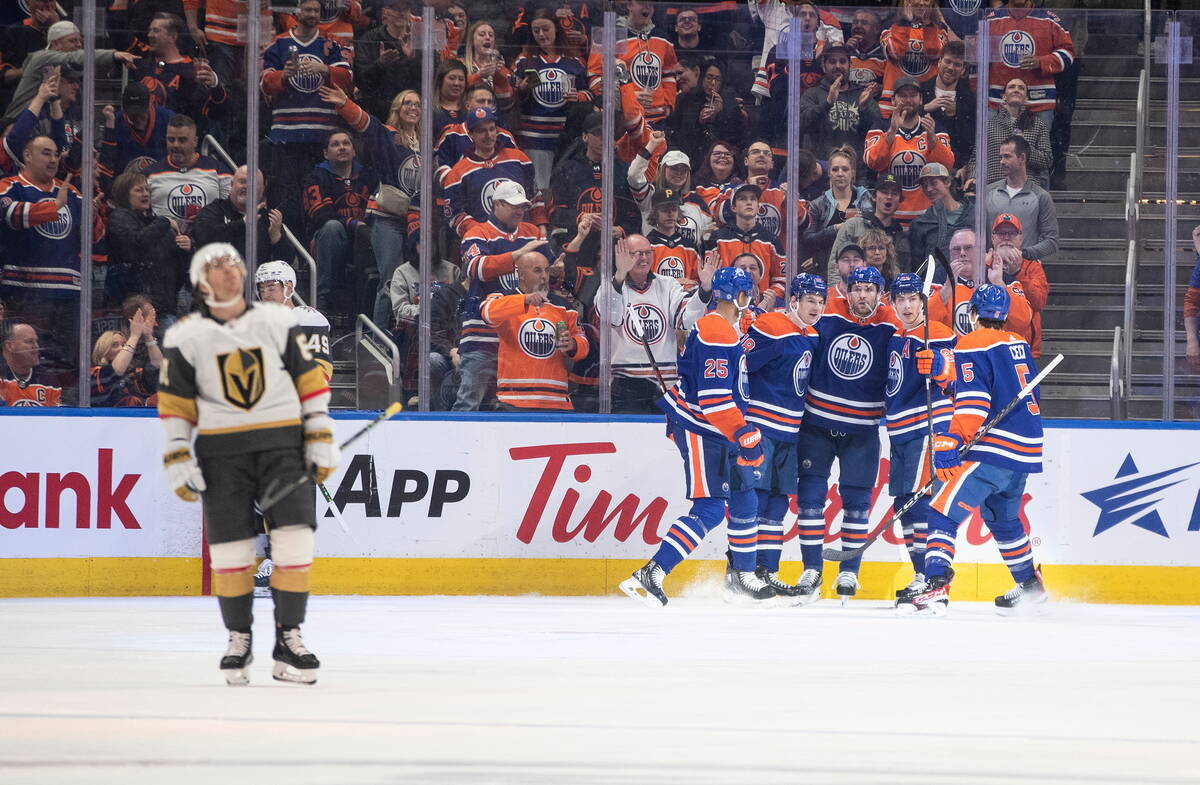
(316, 328)
(240, 382)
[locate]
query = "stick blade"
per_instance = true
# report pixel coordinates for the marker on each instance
(837, 554)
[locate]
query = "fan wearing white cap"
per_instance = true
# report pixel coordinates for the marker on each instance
(674, 172)
(275, 282)
(241, 379)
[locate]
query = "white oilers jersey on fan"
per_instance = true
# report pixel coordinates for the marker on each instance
(240, 382)
(661, 307)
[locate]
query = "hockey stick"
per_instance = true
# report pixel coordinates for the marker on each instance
(834, 554)
(280, 494)
(926, 290)
(635, 324)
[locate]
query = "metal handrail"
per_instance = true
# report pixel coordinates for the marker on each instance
(1143, 121)
(394, 377)
(1116, 382)
(210, 145)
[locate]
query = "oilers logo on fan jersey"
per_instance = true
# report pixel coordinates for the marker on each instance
(185, 200)
(408, 174)
(962, 318)
(307, 82)
(488, 194)
(850, 356)
(553, 87)
(690, 229)
(914, 62)
(653, 323)
(537, 338)
(1015, 45)
(769, 218)
(907, 165)
(647, 70)
(670, 266)
(59, 228)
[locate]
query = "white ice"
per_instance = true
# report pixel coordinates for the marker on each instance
(536, 690)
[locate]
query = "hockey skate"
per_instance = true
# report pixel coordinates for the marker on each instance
(262, 579)
(237, 659)
(904, 597)
(645, 585)
(1024, 597)
(808, 588)
(846, 586)
(787, 594)
(935, 600)
(293, 662)
(746, 588)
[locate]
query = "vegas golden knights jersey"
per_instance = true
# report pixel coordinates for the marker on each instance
(316, 330)
(241, 382)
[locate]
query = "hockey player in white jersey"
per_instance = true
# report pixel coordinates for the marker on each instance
(240, 378)
(661, 306)
(275, 282)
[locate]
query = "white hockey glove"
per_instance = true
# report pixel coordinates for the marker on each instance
(183, 473)
(321, 453)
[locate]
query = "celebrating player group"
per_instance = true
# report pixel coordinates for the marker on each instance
(765, 401)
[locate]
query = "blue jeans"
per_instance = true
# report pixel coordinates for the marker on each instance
(387, 238)
(477, 374)
(332, 247)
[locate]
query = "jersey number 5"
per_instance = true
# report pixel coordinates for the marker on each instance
(1023, 379)
(716, 369)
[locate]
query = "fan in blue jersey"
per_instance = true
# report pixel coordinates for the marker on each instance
(992, 366)
(842, 411)
(780, 347)
(135, 137)
(722, 453)
(922, 350)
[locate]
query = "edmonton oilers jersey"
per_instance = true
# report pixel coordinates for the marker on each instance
(905, 401)
(181, 193)
(40, 240)
(471, 183)
(779, 359)
(710, 396)
(299, 114)
(992, 367)
(487, 255)
(846, 391)
(1039, 34)
(544, 110)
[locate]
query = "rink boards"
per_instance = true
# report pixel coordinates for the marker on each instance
(504, 505)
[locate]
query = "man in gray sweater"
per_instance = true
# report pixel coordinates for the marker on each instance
(64, 47)
(1018, 195)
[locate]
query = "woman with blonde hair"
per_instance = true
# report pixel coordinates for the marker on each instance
(404, 115)
(675, 174)
(485, 64)
(113, 383)
(880, 253)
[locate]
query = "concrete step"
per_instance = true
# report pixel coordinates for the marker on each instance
(1125, 87)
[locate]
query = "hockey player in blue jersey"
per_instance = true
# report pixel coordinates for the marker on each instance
(992, 366)
(910, 363)
(722, 453)
(841, 420)
(780, 347)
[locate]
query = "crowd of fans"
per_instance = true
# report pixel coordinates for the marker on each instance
(886, 170)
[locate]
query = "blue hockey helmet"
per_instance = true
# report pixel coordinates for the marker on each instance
(906, 283)
(729, 282)
(807, 283)
(865, 275)
(991, 302)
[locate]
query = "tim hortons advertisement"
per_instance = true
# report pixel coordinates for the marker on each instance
(93, 486)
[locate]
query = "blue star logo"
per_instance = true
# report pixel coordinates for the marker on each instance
(1133, 500)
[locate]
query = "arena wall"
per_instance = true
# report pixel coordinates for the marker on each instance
(521, 505)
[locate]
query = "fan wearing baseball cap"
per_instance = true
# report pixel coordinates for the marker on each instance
(1006, 254)
(932, 228)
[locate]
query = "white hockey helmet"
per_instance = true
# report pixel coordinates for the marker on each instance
(275, 271)
(200, 262)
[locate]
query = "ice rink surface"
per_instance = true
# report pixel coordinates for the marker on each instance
(536, 690)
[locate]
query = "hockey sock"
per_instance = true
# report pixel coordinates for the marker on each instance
(238, 612)
(743, 529)
(771, 511)
(1015, 548)
(290, 607)
(939, 548)
(854, 533)
(810, 524)
(913, 524)
(686, 533)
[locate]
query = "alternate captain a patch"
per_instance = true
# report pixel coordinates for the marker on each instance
(243, 379)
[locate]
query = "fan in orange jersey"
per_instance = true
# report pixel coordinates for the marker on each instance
(538, 340)
(649, 59)
(958, 300)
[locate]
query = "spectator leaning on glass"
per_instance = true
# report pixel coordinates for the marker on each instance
(146, 252)
(114, 381)
(1019, 195)
(23, 382)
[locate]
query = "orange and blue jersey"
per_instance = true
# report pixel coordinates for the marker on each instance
(396, 165)
(489, 263)
(779, 359)
(530, 370)
(1039, 34)
(905, 393)
(298, 113)
(650, 60)
(455, 142)
(847, 389)
(991, 368)
(470, 184)
(709, 398)
(562, 81)
(39, 238)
